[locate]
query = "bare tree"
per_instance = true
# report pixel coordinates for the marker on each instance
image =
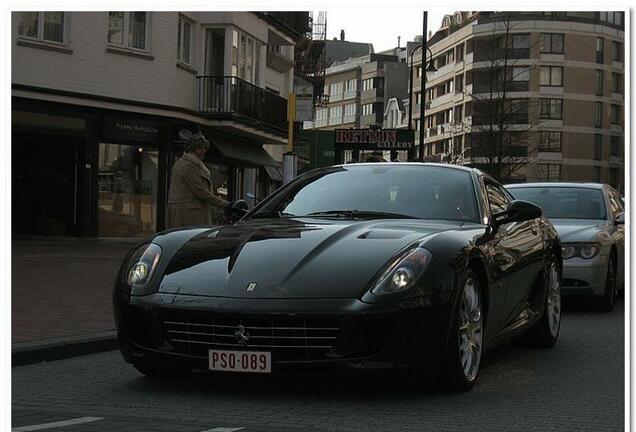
(501, 134)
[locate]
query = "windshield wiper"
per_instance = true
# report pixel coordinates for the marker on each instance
(355, 213)
(276, 213)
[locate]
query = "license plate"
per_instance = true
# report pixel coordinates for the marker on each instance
(240, 361)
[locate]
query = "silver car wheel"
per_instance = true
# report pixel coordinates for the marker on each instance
(554, 299)
(470, 330)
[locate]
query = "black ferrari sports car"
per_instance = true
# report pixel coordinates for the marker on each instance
(411, 266)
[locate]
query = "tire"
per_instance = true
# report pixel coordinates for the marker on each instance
(465, 344)
(545, 332)
(152, 371)
(608, 299)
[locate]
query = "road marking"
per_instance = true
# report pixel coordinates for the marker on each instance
(223, 429)
(70, 422)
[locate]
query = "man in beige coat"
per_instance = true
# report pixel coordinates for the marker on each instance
(190, 200)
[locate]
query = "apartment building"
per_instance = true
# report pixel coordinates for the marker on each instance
(564, 84)
(358, 92)
(101, 102)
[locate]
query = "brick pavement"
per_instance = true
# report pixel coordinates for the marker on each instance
(62, 288)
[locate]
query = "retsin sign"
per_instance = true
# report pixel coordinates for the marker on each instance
(375, 139)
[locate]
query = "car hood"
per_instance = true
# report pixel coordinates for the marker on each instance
(291, 258)
(577, 230)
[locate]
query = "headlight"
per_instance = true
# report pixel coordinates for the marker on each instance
(143, 265)
(403, 272)
(583, 250)
(588, 250)
(568, 251)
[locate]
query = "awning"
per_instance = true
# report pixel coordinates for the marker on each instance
(251, 154)
(274, 173)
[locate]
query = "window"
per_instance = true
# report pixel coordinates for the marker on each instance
(418, 71)
(497, 199)
(613, 177)
(597, 174)
(551, 76)
(615, 149)
(551, 109)
(548, 172)
(459, 114)
(184, 40)
(349, 113)
(128, 29)
(418, 98)
(367, 109)
(520, 41)
(599, 50)
(616, 51)
(417, 124)
(321, 117)
(351, 87)
(367, 84)
(616, 83)
(598, 83)
(459, 53)
(549, 141)
(521, 73)
(598, 114)
(335, 115)
(450, 56)
(44, 26)
(246, 57)
(551, 43)
(616, 114)
(335, 92)
(598, 147)
(459, 83)
(429, 121)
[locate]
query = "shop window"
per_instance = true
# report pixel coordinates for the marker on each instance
(44, 26)
(127, 190)
(128, 29)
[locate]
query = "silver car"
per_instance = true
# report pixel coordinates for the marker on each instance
(590, 220)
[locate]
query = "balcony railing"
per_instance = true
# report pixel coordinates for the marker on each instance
(224, 96)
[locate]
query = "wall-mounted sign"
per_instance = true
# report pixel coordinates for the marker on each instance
(304, 102)
(130, 129)
(375, 139)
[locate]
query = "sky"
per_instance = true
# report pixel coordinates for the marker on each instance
(381, 26)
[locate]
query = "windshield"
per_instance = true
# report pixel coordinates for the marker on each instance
(389, 191)
(564, 202)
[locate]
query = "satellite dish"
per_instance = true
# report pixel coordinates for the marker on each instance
(185, 134)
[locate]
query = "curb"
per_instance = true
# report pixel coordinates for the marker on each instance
(24, 353)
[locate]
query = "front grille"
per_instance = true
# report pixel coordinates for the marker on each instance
(288, 338)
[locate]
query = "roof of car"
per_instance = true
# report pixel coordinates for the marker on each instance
(557, 184)
(443, 165)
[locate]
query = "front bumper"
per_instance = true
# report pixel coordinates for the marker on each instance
(179, 330)
(584, 277)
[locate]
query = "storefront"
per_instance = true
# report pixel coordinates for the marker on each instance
(88, 172)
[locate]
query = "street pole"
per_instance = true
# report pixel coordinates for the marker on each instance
(411, 151)
(423, 83)
(290, 160)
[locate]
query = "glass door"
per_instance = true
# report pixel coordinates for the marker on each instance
(127, 188)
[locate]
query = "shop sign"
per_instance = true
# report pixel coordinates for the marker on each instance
(131, 129)
(304, 102)
(375, 139)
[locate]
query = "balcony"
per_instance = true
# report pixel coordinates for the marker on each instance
(279, 58)
(227, 97)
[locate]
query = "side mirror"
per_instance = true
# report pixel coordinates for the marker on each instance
(517, 211)
(236, 210)
(620, 219)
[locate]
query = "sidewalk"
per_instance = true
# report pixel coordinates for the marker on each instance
(62, 289)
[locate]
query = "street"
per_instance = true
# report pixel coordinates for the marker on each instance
(576, 386)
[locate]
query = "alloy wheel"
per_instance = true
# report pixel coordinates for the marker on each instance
(470, 330)
(554, 299)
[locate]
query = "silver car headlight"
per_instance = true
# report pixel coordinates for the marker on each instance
(143, 265)
(402, 273)
(583, 250)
